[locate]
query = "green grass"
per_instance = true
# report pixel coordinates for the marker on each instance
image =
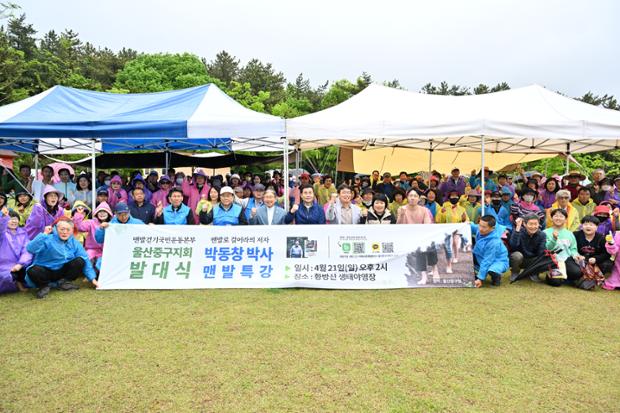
(518, 348)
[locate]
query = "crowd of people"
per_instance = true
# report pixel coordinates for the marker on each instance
(558, 230)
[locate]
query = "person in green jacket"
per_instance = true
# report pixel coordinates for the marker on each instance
(563, 242)
(22, 204)
(10, 184)
(584, 205)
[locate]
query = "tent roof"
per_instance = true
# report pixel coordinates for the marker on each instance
(202, 116)
(524, 120)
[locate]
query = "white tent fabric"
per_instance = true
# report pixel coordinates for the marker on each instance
(531, 119)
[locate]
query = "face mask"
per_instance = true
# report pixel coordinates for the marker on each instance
(605, 188)
(179, 181)
(528, 198)
(602, 219)
(454, 201)
(496, 201)
(107, 182)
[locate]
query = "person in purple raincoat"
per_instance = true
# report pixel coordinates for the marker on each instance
(13, 255)
(45, 213)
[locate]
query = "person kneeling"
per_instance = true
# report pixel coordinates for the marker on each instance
(58, 259)
(490, 254)
(594, 259)
(526, 245)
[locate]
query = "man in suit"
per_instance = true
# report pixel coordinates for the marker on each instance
(268, 213)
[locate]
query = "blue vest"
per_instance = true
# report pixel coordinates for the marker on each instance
(223, 217)
(176, 217)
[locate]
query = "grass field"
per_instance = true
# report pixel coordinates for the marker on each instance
(519, 348)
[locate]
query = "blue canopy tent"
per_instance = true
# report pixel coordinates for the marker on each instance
(201, 117)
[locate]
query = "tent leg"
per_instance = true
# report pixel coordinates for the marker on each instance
(93, 176)
(567, 158)
(285, 173)
(430, 163)
(336, 168)
(167, 160)
(482, 175)
(36, 165)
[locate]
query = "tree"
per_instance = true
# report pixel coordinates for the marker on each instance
(445, 89)
(394, 84)
(342, 90)
(607, 101)
(13, 67)
(7, 10)
(159, 72)
(21, 36)
(262, 77)
(224, 67)
(242, 93)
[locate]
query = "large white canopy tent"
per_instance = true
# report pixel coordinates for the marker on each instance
(528, 120)
(68, 120)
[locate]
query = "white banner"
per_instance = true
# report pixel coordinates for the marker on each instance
(310, 256)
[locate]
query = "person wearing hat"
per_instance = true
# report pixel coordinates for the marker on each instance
(65, 187)
(176, 213)
(58, 259)
(493, 206)
(527, 205)
(22, 204)
(584, 205)
(139, 182)
(89, 227)
(454, 183)
(378, 212)
(607, 220)
(151, 181)
(386, 186)
(116, 193)
(45, 213)
(472, 205)
(161, 195)
(295, 193)
(195, 190)
(14, 258)
(268, 212)
(563, 198)
(507, 197)
(573, 178)
(476, 182)
(226, 212)
(122, 216)
(102, 196)
(235, 181)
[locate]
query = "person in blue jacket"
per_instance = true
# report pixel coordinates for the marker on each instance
(497, 210)
(490, 253)
(176, 213)
(58, 259)
(309, 211)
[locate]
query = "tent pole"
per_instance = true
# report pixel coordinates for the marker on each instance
(166, 162)
(285, 173)
(430, 162)
(482, 175)
(336, 168)
(93, 176)
(567, 158)
(36, 165)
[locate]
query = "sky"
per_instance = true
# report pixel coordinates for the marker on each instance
(567, 46)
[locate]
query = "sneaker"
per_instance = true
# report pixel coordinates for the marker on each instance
(535, 278)
(43, 292)
(67, 286)
(496, 280)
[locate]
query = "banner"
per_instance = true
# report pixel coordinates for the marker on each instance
(310, 256)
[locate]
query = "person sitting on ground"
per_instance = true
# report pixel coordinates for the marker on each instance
(562, 240)
(14, 258)
(22, 204)
(613, 249)
(412, 213)
(309, 211)
(526, 245)
(268, 212)
(563, 202)
(490, 253)
(591, 245)
(378, 213)
(226, 212)
(45, 213)
(176, 213)
(340, 210)
(58, 258)
(140, 208)
(584, 205)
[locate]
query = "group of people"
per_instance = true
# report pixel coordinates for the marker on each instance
(51, 234)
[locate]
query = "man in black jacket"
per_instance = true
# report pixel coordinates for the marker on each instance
(526, 244)
(591, 244)
(140, 209)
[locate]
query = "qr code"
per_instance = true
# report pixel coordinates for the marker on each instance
(358, 248)
(387, 247)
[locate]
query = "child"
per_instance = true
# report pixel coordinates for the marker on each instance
(102, 214)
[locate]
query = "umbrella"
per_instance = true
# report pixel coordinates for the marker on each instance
(542, 263)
